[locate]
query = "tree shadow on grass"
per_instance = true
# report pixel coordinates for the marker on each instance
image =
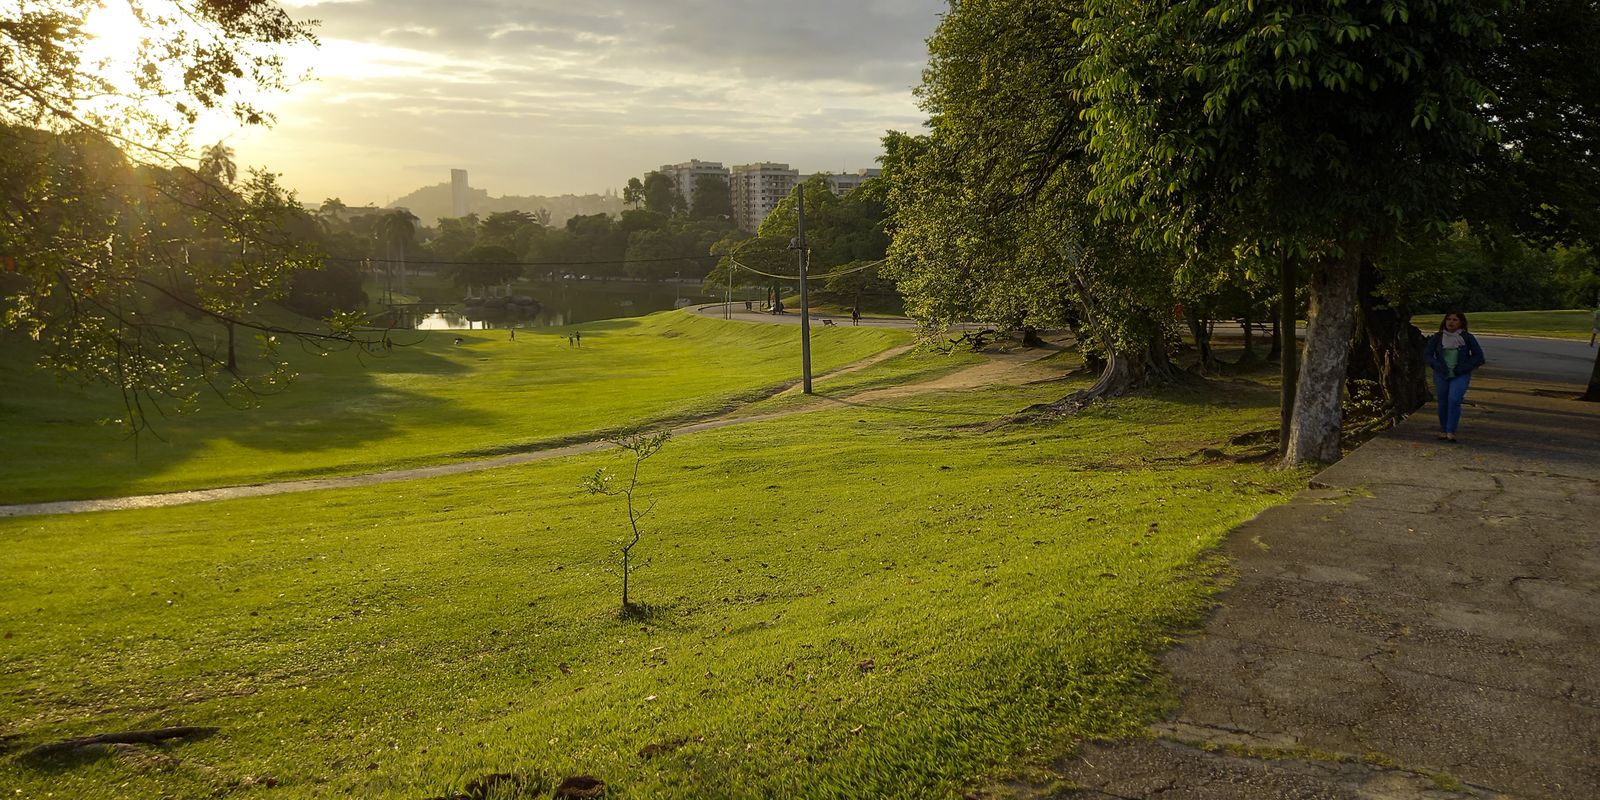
(57, 448)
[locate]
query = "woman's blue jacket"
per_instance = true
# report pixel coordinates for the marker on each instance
(1467, 362)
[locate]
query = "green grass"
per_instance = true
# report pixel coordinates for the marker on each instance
(913, 366)
(868, 602)
(430, 402)
(1574, 324)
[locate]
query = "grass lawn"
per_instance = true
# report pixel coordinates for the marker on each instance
(864, 602)
(1575, 324)
(431, 402)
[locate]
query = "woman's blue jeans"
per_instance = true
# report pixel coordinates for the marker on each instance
(1450, 391)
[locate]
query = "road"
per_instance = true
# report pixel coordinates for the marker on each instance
(1538, 360)
(1566, 361)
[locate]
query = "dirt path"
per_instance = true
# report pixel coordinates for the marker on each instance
(1009, 366)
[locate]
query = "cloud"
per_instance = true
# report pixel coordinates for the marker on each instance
(558, 96)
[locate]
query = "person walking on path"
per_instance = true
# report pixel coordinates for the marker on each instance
(855, 315)
(1594, 327)
(1454, 354)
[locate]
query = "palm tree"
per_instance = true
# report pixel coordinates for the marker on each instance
(397, 229)
(331, 213)
(332, 207)
(216, 163)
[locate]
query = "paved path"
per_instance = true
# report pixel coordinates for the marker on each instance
(1422, 623)
(1015, 365)
(792, 317)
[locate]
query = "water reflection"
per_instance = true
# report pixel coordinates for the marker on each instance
(558, 304)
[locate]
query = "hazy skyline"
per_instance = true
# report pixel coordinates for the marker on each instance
(541, 97)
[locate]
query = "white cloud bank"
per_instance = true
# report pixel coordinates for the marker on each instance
(537, 96)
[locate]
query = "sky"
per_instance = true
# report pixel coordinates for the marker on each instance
(558, 96)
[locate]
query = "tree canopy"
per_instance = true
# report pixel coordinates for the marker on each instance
(123, 252)
(1204, 132)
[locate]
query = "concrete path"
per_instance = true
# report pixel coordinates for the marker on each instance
(1424, 622)
(737, 311)
(1016, 365)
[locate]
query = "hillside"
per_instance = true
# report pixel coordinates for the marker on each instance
(431, 203)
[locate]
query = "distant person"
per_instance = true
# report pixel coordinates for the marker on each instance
(577, 337)
(513, 334)
(749, 306)
(855, 315)
(1454, 354)
(1594, 328)
(569, 340)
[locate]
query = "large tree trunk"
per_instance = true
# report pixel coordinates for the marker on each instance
(1289, 365)
(1387, 349)
(1123, 371)
(1318, 413)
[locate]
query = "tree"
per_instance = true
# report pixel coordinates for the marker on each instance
(100, 217)
(202, 58)
(216, 164)
(397, 231)
(455, 236)
(641, 446)
(633, 193)
(502, 227)
(713, 198)
(988, 212)
(661, 194)
(332, 208)
(1321, 127)
(487, 265)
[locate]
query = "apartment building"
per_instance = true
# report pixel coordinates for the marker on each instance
(843, 184)
(684, 176)
(757, 189)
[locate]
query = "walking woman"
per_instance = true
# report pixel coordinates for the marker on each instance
(1454, 354)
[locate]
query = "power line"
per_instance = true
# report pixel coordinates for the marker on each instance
(835, 273)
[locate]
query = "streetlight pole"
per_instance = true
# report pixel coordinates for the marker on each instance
(805, 306)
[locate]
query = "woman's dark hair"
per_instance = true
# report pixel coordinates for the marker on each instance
(1461, 315)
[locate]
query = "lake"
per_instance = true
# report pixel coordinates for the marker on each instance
(560, 303)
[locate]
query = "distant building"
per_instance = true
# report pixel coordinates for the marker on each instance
(756, 190)
(684, 176)
(458, 193)
(844, 184)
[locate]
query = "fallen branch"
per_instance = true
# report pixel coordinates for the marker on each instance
(125, 737)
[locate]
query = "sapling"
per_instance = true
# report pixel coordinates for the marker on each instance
(642, 446)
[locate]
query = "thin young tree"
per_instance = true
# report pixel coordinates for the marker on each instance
(641, 446)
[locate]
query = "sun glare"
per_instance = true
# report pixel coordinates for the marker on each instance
(112, 48)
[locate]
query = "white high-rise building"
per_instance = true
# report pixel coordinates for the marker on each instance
(757, 189)
(843, 184)
(458, 192)
(684, 176)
